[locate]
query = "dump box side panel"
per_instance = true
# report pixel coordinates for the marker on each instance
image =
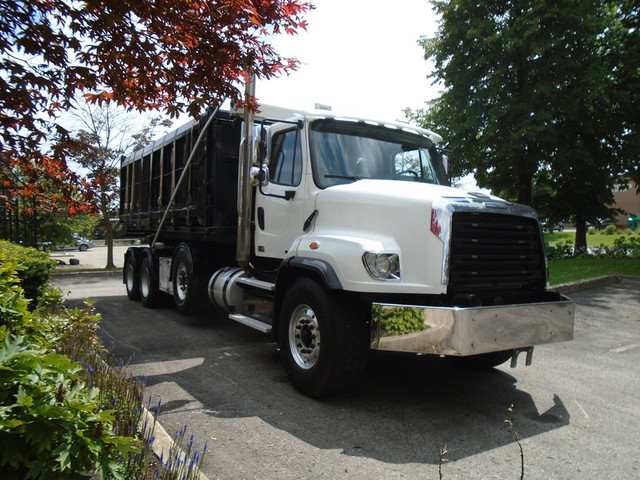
(204, 207)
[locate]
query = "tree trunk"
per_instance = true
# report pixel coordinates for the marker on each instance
(108, 229)
(108, 232)
(525, 188)
(581, 237)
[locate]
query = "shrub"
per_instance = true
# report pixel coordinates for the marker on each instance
(13, 306)
(623, 247)
(45, 325)
(34, 267)
(65, 413)
(610, 230)
(51, 426)
(560, 250)
(400, 321)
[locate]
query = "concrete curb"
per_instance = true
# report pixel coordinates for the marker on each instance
(588, 283)
(87, 273)
(163, 442)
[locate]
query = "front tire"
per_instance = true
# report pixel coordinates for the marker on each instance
(323, 340)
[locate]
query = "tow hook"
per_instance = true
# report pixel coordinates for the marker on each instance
(518, 351)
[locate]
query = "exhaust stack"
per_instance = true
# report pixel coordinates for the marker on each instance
(243, 243)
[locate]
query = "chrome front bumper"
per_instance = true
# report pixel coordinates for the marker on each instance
(470, 331)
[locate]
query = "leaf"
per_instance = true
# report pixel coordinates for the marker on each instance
(23, 398)
(10, 423)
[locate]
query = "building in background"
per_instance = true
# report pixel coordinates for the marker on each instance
(627, 199)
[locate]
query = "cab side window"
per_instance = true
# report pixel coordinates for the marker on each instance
(286, 158)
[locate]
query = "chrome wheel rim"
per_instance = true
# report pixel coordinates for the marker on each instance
(182, 282)
(144, 282)
(304, 337)
(130, 277)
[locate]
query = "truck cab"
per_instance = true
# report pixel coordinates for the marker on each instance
(314, 153)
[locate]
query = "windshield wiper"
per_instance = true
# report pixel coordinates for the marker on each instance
(346, 177)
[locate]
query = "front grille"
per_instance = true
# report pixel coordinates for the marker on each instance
(494, 252)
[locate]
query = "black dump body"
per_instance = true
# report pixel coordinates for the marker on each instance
(204, 208)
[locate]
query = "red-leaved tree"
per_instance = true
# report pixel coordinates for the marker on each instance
(168, 55)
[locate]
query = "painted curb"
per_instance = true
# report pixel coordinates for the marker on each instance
(163, 441)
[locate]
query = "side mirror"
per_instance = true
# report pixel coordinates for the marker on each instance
(447, 165)
(263, 175)
(259, 175)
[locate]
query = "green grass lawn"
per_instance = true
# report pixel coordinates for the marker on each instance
(572, 269)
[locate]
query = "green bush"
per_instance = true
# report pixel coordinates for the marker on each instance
(44, 326)
(65, 413)
(51, 425)
(34, 267)
(401, 321)
(13, 306)
(610, 230)
(559, 250)
(623, 247)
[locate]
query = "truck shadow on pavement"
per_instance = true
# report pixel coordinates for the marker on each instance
(405, 409)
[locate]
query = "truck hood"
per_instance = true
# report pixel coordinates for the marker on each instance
(410, 219)
(389, 194)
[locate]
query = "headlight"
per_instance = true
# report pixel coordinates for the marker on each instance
(382, 266)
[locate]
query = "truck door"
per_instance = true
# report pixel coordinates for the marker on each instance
(280, 203)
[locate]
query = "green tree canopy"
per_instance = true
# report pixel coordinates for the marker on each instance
(537, 98)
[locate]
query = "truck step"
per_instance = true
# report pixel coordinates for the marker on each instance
(252, 322)
(255, 283)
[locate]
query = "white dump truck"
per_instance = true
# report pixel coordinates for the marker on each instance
(336, 235)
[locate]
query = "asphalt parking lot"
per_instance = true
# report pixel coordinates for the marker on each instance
(576, 409)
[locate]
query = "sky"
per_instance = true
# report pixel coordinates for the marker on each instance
(361, 57)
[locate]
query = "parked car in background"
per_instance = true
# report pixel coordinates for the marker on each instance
(83, 244)
(602, 223)
(78, 242)
(552, 227)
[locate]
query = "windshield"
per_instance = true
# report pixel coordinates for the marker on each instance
(343, 152)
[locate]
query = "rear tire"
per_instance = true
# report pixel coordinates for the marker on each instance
(131, 278)
(188, 293)
(150, 293)
(323, 340)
